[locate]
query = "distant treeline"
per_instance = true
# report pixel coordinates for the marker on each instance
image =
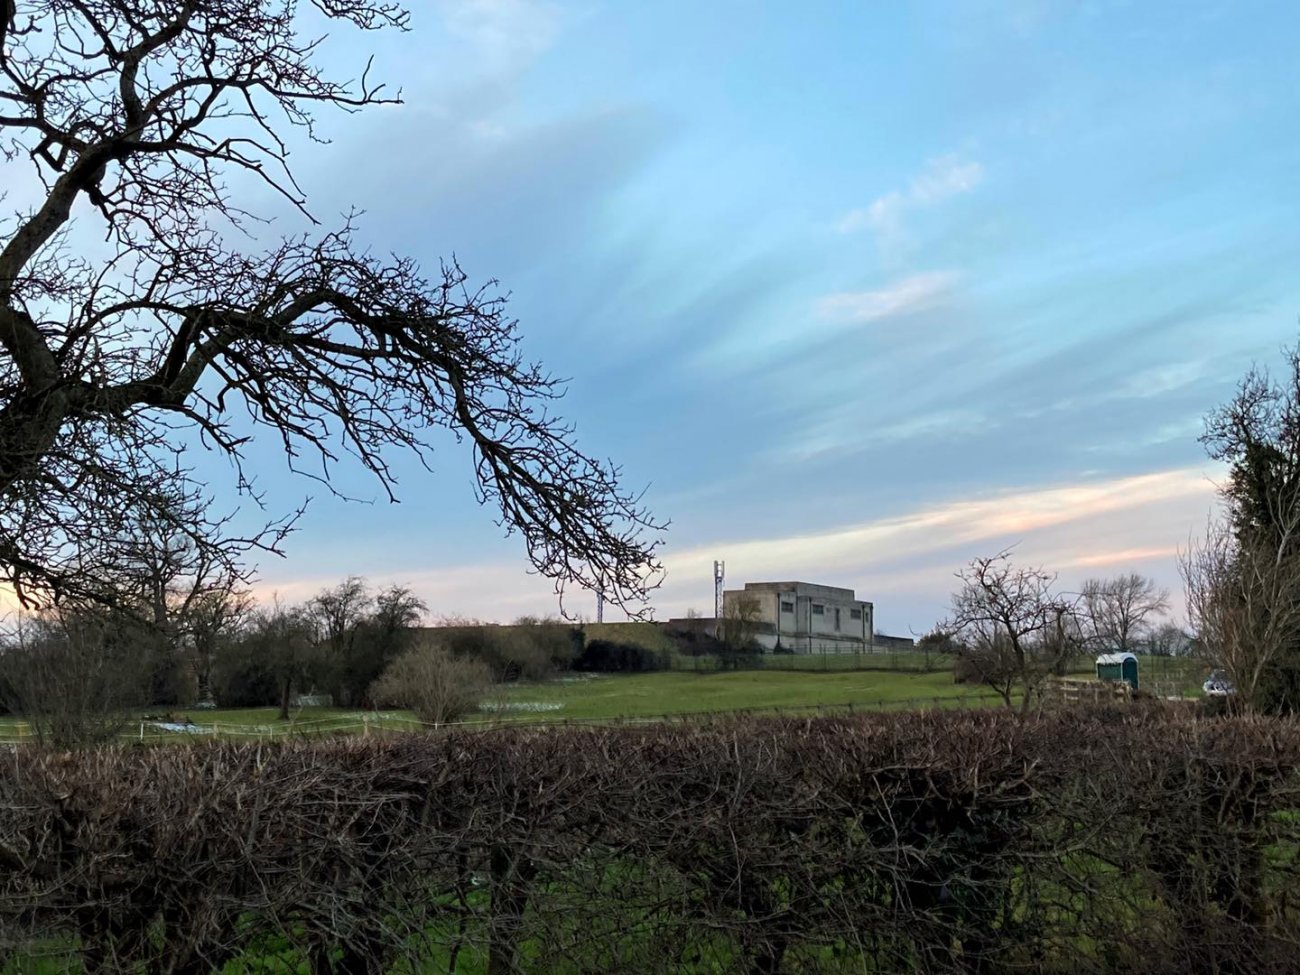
(1126, 841)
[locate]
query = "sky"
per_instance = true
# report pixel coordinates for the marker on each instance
(856, 291)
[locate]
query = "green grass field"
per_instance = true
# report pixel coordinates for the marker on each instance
(582, 697)
(595, 697)
(676, 692)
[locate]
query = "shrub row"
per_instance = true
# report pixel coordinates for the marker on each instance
(1136, 840)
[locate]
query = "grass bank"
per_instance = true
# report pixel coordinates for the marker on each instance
(675, 692)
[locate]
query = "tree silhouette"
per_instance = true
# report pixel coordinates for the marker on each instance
(132, 114)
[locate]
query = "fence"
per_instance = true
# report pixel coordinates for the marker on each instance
(1163, 676)
(909, 661)
(1069, 691)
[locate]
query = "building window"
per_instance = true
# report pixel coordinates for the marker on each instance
(855, 614)
(818, 610)
(787, 607)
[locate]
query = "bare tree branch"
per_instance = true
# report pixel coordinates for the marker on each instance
(1011, 627)
(138, 109)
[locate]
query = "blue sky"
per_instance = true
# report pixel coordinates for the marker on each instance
(859, 290)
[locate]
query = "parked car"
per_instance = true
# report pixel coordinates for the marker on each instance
(1218, 685)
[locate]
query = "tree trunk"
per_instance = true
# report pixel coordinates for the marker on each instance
(204, 680)
(284, 698)
(511, 874)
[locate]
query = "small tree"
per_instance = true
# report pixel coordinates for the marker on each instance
(73, 674)
(431, 681)
(1168, 640)
(282, 641)
(1118, 613)
(337, 615)
(1242, 578)
(937, 643)
(1013, 631)
(985, 656)
(738, 633)
(213, 619)
(1243, 600)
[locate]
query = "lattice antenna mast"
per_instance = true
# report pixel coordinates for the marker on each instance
(600, 607)
(719, 577)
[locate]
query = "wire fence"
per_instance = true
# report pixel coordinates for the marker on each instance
(1164, 676)
(909, 661)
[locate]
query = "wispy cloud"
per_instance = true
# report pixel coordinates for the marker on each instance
(905, 560)
(505, 35)
(1148, 384)
(767, 338)
(1004, 516)
(839, 433)
(1123, 558)
(941, 179)
(490, 591)
(917, 292)
(940, 425)
(1161, 379)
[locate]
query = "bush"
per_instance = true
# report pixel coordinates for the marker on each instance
(1214, 706)
(525, 651)
(612, 657)
(966, 670)
(432, 682)
(1118, 840)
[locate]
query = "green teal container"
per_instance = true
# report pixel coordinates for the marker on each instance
(1118, 666)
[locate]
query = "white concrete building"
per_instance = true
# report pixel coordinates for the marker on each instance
(803, 617)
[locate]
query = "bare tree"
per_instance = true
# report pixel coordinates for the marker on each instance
(132, 115)
(1243, 600)
(215, 616)
(1241, 579)
(182, 590)
(338, 611)
(282, 638)
(391, 627)
(397, 608)
(738, 632)
(337, 614)
(1168, 640)
(73, 674)
(1011, 627)
(360, 633)
(984, 655)
(1118, 612)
